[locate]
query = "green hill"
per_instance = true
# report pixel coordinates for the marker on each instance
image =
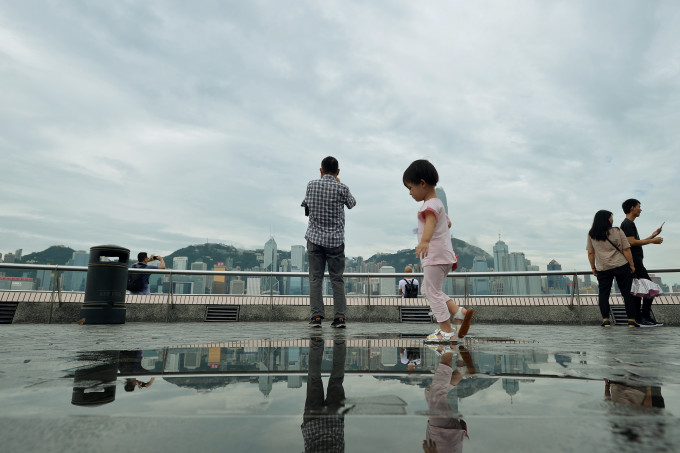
(56, 255)
(215, 253)
(400, 259)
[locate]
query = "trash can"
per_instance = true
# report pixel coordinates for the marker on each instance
(105, 286)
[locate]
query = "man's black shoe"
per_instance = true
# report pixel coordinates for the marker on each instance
(315, 322)
(339, 323)
(633, 324)
(647, 323)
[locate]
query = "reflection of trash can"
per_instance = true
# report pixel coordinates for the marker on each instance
(96, 384)
(106, 283)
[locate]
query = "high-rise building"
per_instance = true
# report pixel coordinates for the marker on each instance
(388, 286)
(500, 264)
(18, 254)
(219, 283)
(237, 287)
(253, 286)
(180, 263)
(297, 258)
(480, 285)
(270, 255)
(200, 281)
(517, 263)
(534, 282)
(557, 284)
(441, 194)
(75, 281)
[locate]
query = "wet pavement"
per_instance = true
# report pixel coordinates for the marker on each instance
(283, 387)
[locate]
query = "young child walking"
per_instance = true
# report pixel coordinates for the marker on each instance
(435, 251)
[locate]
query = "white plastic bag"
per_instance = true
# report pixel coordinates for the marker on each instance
(644, 288)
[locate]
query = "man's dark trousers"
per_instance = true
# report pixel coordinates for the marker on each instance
(318, 257)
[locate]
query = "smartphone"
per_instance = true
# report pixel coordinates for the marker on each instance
(662, 224)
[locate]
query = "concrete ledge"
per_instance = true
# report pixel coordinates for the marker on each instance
(53, 313)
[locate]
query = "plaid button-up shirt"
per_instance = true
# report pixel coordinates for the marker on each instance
(326, 199)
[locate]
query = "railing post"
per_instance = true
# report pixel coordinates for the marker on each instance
(465, 299)
(271, 296)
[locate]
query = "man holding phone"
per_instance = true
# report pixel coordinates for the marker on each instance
(632, 209)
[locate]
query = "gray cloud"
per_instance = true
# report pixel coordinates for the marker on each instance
(158, 124)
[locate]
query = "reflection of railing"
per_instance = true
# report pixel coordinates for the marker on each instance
(574, 295)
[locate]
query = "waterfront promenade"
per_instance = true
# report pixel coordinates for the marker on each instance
(244, 386)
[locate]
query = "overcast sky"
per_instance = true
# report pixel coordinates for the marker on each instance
(158, 124)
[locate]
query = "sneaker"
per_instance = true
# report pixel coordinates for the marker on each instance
(339, 323)
(446, 337)
(646, 323)
(654, 321)
(315, 322)
(633, 324)
(606, 324)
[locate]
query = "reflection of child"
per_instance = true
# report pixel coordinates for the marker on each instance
(434, 249)
(445, 428)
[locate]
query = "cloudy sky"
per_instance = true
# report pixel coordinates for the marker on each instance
(158, 124)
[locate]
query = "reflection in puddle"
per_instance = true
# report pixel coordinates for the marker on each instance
(343, 394)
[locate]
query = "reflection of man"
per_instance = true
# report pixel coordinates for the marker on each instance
(445, 427)
(632, 209)
(323, 426)
(130, 362)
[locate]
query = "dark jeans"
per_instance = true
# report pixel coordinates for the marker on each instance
(315, 403)
(641, 272)
(625, 279)
(318, 257)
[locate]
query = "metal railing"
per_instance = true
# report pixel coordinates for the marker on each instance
(56, 284)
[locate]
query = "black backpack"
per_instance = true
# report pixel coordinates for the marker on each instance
(410, 290)
(135, 281)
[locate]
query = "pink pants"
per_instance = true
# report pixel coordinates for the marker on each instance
(432, 289)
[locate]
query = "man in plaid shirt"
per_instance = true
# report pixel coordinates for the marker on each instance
(324, 203)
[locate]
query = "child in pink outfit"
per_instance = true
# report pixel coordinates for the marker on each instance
(434, 248)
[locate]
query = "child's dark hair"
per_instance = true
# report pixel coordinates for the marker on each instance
(421, 169)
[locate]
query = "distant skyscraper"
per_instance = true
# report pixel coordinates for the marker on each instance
(199, 280)
(18, 254)
(500, 263)
(388, 286)
(556, 283)
(219, 284)
(517, 263)
(480, 285)
(297, 258)
(270, 255)
(534, 282)
(75, 281)
(253, 286)
(237, 287)
(441, 194)
(180, 263)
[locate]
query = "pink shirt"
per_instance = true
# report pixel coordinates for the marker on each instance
(441, 250)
